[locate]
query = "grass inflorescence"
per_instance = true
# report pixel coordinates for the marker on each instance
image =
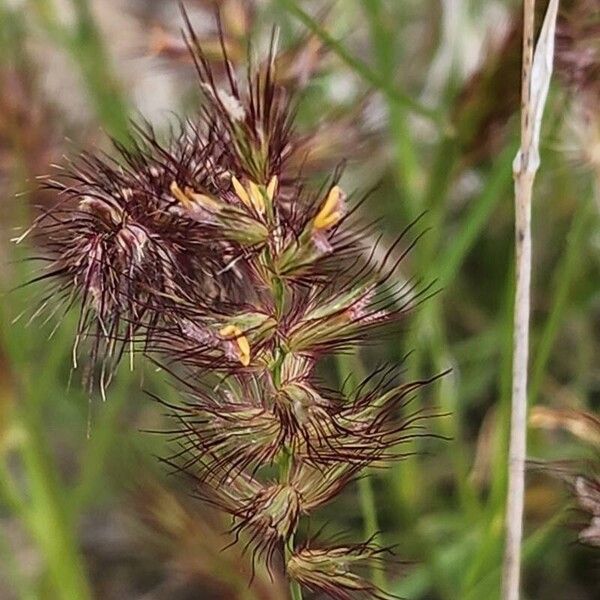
(213, 254)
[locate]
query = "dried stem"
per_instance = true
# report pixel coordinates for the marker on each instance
(518, 427)
(536, 73)
(524, 178)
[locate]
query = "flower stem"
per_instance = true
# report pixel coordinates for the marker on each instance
(287, 459)
(367, 505)
(533, 97)
(295, 589)
(285, 466)
(51, 526)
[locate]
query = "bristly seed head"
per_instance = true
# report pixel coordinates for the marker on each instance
(333, 571)
(213, 254)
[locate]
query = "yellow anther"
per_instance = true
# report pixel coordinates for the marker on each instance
(331, 211)
(241, 192)
(190, 198)
(256, 197)
(252, 197)
(272, 188)
(233, 332)
(178, 194)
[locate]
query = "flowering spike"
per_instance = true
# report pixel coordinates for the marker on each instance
(252, 196)
(240, 284)
(202, 201)
(192, 201)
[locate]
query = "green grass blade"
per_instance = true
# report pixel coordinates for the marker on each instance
(359, 67)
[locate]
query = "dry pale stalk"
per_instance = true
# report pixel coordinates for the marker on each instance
(536, 74)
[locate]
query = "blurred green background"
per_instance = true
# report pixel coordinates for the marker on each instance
(419, 97)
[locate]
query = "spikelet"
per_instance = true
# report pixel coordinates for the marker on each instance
(213, 255)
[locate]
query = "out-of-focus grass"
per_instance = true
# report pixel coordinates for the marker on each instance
(434, 507)
(86, 49)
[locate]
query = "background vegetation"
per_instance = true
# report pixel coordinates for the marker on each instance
(420, 98)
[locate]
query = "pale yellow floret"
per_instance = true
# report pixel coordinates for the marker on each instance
(178, 194)
(253, 196)
(256, 197)
(233, 332)
(241, 192)
(330, 212)
(272, 188)
(189, 198)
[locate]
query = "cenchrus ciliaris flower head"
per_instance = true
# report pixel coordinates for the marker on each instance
(212, 253)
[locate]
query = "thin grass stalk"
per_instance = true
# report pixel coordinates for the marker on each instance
(49, 523)
(565, 273)
(489, 549)
(518, 424)
(359, 67)
(534, 545)
(407, 159)
(524, 177)
(535, 82)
